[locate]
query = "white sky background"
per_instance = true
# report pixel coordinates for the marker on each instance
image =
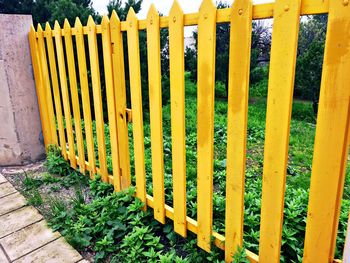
(163, 6)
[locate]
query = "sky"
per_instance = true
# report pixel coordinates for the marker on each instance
(163, 6)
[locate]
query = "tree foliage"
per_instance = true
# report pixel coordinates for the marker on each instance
(312, 36)
(260, 49)
(48, 10)
(122, 10)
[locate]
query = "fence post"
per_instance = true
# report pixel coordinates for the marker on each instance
(20, 129)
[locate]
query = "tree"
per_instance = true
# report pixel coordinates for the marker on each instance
(260, 49)
(48, 10)
(122, 11)
(312, 36)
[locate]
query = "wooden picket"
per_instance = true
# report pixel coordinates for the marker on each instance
(97, 97)
(56, 92)
(74, 94)
(120, 97)
(54, 50)
(331, 140)
(278, 114)
(65, 95)
(205, 121)
(107, 59)
(237, 117)
(155, 105)
(177, 96)
(46, 80)
(136, 104)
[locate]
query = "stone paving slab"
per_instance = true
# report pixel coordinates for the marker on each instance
(6, 189)
(11, 202)
(58, 251)
(3, 258)
(18, 219)
(24, 235)
(28, 239)
(2, 179)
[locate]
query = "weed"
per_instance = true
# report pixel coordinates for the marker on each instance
(34, 198)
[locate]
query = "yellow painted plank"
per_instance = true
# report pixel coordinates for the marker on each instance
(178, 131)
(205, 121)
(84, 88)
(41, 96)
(155, 105)
(136, 104)
(97, 97)
(55, 88)
(237, 115)
(260, 11)
(279, 106)
(120, 100)
(74, 94)
(47, 85)
(331, 139)
(64, 90)
(112, 118)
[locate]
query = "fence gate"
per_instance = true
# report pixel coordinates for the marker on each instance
(67, 59)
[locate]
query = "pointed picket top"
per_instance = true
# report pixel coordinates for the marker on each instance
(32, 30)
(56, 25)
(57, 29)
(175, 11)
(131, 17)
(90, 21)
(66, 24)
(152, 13)
(47, 26)
(39, 29)
(66, 27)
(105, 23)
(48, 30)
(114, 17)
(78, 25)
(91, 24)
(114, 23)
(207, 5)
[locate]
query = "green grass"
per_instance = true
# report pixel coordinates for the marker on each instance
(302, 133)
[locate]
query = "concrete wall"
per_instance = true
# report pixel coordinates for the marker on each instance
(20, 128)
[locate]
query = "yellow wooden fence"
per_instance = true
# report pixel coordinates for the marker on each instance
(52, 51)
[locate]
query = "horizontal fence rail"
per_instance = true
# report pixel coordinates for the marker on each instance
(67, 65)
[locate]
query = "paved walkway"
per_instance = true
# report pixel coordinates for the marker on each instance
(24, 235)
